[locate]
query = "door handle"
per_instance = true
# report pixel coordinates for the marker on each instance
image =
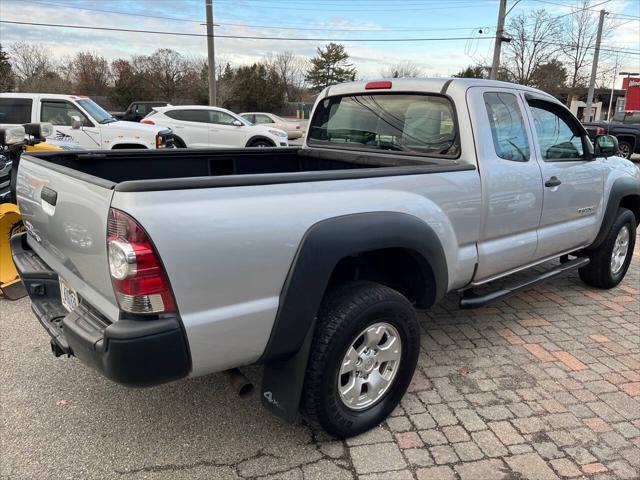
(49, 195)
(552, 182)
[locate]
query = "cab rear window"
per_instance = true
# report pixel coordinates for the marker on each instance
(414, 124)
(15, 110)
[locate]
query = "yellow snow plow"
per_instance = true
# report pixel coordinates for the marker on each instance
(13, 141)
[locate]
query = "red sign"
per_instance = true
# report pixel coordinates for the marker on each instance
(632, 86)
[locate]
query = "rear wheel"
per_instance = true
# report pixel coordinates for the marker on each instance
(610, 261)
(261, 144)
(178, 143)
(624, 149)
(363, 357)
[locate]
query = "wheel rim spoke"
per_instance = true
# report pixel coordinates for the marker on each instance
(369, 366)
(620, 250)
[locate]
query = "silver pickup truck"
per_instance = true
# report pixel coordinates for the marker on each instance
(151, 266)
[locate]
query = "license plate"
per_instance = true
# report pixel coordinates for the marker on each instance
(68, 296)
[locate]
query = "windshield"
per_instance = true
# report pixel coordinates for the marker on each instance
(96, 111)
(240, 118)
(405, 123)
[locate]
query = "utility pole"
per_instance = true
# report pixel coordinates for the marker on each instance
(499, 39)
(211, 53)
(594, 69)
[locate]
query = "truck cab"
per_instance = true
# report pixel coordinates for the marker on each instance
(79, 119)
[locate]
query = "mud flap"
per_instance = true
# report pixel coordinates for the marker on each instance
(283, 381)
(10, 224)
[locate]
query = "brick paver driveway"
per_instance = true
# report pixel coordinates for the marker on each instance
(544, 385)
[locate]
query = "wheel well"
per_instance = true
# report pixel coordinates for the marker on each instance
(252, 140)
(179, 141)
(632, 202)
(627, 138)
(122, 146)
(402, 269)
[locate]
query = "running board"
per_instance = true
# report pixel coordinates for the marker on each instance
(470, 300)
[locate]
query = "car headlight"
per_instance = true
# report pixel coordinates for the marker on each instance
(278, 133)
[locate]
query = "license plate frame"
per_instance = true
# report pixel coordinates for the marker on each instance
(68, 296)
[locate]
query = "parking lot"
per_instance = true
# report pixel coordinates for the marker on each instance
(544, 385)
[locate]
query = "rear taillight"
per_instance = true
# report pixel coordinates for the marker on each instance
(600, 131)
(382, 84)
(147, 121)
(139, 280)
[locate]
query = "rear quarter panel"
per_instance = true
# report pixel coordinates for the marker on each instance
(228, 251)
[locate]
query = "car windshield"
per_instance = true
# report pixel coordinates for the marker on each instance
(240, 118)
(96, 111)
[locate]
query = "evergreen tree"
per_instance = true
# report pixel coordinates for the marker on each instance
(7, 78)
(330, 66)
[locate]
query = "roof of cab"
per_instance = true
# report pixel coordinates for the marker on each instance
(431, 85)
(55, 96)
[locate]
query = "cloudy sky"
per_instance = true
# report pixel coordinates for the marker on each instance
(310, 22)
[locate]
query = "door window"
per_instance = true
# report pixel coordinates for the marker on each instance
(15, 110)
(558, 138)
(221, 118)
(260, 119)
(507, 126)
(200, 116)
(62, 113)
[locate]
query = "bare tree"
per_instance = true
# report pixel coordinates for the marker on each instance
(402, 70)
(534, 41)
(292, 69)
(90, 73)
(30, 60)
(164, 70)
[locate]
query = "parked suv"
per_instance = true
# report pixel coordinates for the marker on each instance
(205, 127)
(79, 119)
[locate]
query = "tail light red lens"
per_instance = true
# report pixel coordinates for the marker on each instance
(379, 85)
(600, 131)
(147, 121)
(139, 280)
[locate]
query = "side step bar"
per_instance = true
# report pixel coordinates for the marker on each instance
(470, 300)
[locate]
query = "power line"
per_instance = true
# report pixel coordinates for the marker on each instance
(246, 37)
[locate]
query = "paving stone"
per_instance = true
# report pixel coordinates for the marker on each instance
(468, 451)
(432, 437)
(548, 450)
(436, 473)
(531, 466)
(442, 415)
(455, 434)
(592, 468)
(627, 430)
(419, 457)
(470, 420)
(506, 433)
(379, 457)
(520, 448)
(580, 455)
(520, 409)
(622, 403)
(375, 435)
(443, 454)
(623, 470)
(597, 424)
(332, 449)
(563, 420)
(561, 438)
(395, 475)
(429, 397)
(489, 443)
(399, 424)
(496, 412)
(325, 469)
(484, 469)
(528, 425)
(565, 468)
(408, 440)
(422, 421)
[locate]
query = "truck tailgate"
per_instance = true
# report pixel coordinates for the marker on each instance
(66, 214)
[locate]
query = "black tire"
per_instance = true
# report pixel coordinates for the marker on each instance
(345, 312)
(625, 149)
(599, 272)
(261, 144)
(178, 143)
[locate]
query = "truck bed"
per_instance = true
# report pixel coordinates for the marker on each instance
(139, 170)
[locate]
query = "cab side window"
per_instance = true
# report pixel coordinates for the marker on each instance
(507, 126)
(62, 113)
(558, 139)
(220, 118)
(261, 119)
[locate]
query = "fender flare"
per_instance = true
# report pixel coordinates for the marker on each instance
(621, 188)
(328, 242)
(259, 137)
(323, 246)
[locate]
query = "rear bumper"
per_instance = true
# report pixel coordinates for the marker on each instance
(131, 352)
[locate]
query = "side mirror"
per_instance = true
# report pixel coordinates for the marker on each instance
(237, 123)
(605, 146)
(76, 123)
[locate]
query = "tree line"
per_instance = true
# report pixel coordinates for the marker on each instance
(168, 75)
